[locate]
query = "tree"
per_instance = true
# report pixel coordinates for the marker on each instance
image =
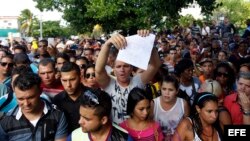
(26, 20)
(53, 29)
(237, 11)
(127, 15)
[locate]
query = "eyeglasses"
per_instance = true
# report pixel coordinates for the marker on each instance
(225, 74)
(88, 75)
(91, 98)
(3, 64)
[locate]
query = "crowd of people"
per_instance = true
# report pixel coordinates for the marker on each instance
(197, 81)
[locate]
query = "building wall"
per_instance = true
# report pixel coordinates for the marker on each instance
(8, 22)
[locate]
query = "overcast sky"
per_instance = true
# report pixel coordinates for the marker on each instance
(14, 8)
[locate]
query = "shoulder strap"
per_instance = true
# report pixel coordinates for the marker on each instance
(7, 101)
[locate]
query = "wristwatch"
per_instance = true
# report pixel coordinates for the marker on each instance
(247, 113)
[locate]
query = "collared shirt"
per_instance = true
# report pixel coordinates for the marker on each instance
(69, 107)
(16, 127)
(230, 102)
(52, 91)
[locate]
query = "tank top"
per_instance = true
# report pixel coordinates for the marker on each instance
(197, 138)
(168, 119)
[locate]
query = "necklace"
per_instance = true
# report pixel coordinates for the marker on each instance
(209, 136)
(139, 134)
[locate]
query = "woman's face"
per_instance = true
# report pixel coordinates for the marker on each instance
(90, 77)
(209, 113)
(168, 92)
(222, 76)
(141, 110)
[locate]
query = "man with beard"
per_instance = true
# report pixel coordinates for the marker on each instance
(95, 120)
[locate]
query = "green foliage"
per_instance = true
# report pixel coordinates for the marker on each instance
(127, 15)
(185, 21)
(26, 20)
(237, 11)
(53, 29)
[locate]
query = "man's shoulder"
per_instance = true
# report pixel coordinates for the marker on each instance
(60, 96)
(231, 97)
(78, 135)
(119, 133)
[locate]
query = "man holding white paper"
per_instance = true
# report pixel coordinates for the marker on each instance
(119, 87)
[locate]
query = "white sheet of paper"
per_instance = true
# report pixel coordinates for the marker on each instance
(138, 51)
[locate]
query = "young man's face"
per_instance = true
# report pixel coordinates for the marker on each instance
(122, 71)
(207, 68)
(89, 122)
(70, 81)
(6, 65)
(47, 74)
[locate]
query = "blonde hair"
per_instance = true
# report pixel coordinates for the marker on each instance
(212, 86)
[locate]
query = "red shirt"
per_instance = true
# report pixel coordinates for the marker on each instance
(234, 108)
(54, 90)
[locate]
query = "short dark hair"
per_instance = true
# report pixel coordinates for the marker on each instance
(46, 61)
(69, 66)
(82, 58)
(136, 95)
(98, 100)
(26, 81)
(171, 79)
(44, 41)
(10, 56)
(87, 67)
(182, 65)
(62, 55)
(20, 47)
(21, 70)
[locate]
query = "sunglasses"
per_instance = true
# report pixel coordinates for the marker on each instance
(83, 66)
(3, 64)
(39, 55)
(91, 98)
(88, 75)
(225, 74)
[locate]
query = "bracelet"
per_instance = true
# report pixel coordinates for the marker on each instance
(247, 113)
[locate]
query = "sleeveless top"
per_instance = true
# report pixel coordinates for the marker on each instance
(168, 119)
(197, 138)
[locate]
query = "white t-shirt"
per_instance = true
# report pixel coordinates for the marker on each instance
(119, 97)
(188, 89)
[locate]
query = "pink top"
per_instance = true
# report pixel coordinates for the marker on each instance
(152, 133)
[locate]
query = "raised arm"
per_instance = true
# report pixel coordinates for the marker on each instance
(154, 65)
(102, 76)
